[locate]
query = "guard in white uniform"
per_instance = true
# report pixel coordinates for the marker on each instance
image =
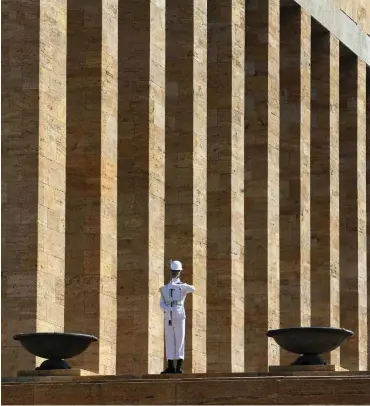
(172, 303)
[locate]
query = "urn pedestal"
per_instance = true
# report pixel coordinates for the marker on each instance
(55, 348)
(309, 343)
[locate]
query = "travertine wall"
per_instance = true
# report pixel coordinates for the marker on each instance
(33, 172)
(225, 183)
(352, 185)
(91, 242)
(261, 185)
(141, 174)
(186, 161)
(324, 179)
(231, 135)
(294, 170)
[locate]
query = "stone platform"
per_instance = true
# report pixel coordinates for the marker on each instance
(326, 387)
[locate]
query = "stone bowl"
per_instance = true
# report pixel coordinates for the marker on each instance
(55, 347)
(310, 342)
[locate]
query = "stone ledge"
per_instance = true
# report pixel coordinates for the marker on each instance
(305, 369)
(56, 372)
(276, 371)
(209, 389)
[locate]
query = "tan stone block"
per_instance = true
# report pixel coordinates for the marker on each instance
(252, 391)
(67, 393)
(158, 392)
(327, 390)
(14, 395)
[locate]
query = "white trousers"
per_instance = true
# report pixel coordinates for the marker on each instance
(175, 338)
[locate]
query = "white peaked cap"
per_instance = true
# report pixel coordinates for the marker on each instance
(176, 265)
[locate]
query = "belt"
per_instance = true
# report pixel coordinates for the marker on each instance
(176, 302)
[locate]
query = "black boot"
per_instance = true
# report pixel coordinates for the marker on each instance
(170, 369)
(179, 369)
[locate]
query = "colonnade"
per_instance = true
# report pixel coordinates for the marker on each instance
(232, 135)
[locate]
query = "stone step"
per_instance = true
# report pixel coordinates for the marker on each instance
(351, 389)
(86, 376)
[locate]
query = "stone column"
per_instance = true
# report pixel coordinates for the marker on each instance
(294, 144)
(91, 179)
(261, 204)
(368, 195)
(225, 223)
(305, 170)
(33, 173)
(325, 181)
(186, 163)
(352, 217)
(108, 189)
(362, 112)
(334, 193)
(141, 170)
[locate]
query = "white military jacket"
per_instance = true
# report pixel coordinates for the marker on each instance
(179, 290)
